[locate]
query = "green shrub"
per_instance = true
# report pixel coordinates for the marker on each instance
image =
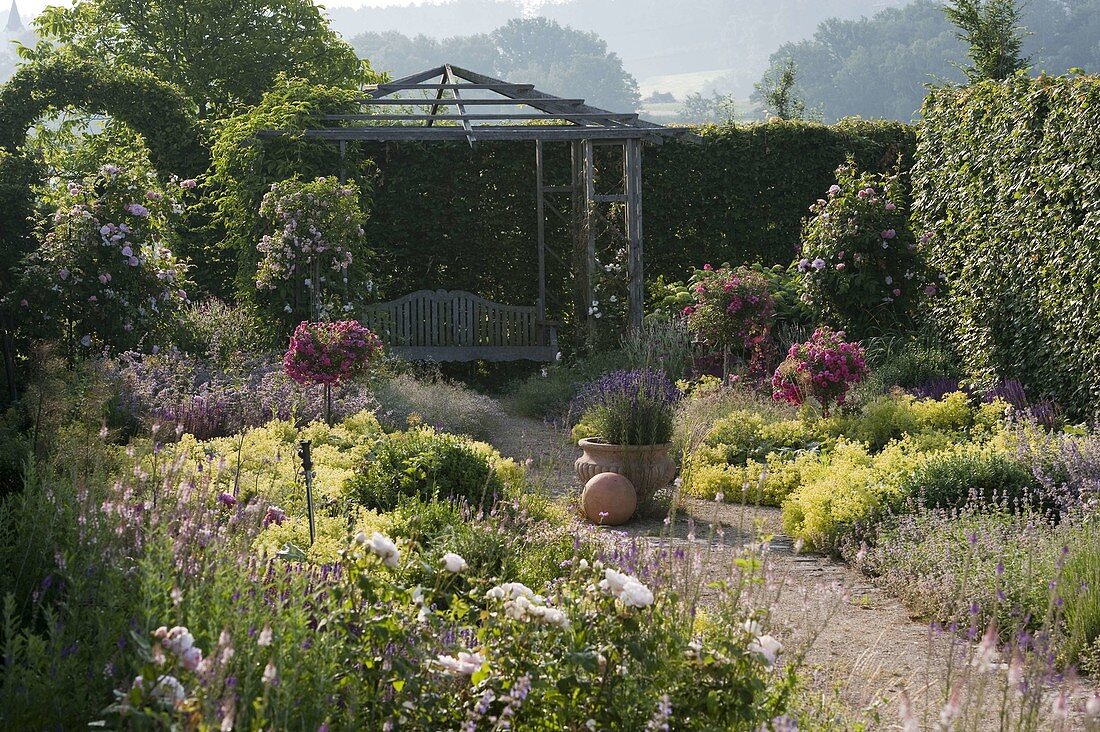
(228, 335)
(550, 392)
(662, 343)
(427, 464)
(971, 473)
(1081, 580)
(911, 363)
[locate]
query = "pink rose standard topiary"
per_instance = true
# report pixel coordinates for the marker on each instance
(733, 310)
(329, 353)
(824, 367)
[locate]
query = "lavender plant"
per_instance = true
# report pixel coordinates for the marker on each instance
(630, 407)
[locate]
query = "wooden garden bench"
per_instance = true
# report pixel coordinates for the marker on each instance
(460, 326)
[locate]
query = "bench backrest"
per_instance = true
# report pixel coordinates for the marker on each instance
(447, 320)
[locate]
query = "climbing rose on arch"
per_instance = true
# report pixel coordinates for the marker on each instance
(328, 353)
(824, 367)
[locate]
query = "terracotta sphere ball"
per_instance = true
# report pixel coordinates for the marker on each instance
(609, 499)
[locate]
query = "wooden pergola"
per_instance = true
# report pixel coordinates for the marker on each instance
(448, 103)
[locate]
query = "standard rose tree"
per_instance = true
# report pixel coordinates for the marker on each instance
(824, 368)
(329, 354)
(733, 312)
(860, 264)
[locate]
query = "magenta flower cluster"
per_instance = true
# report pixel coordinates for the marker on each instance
(328, 353)
(824, 367)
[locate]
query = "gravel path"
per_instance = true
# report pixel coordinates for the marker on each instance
(862, 646)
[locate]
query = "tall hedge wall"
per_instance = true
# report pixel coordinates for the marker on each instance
(1008, 178)
(448, 216)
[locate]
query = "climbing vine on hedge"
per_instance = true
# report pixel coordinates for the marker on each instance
(1007, 188)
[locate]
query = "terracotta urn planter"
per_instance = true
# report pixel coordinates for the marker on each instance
(648, 467)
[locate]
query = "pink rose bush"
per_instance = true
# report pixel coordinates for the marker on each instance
(860, 265)
(105, 274)
(824, 367)
(732, 310)
(315, 234)
(329, 353)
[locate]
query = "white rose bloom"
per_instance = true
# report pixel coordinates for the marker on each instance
(512, 590)
(453, 563)
(464, 664)
(169, 691)
(386, 550)
(635, 594)
(767, 647)
(613, 582)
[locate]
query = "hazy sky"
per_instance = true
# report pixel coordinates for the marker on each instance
(29, 8)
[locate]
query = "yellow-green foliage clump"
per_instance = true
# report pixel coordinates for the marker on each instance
(332, 534)
(766, 484)
(830, 474)
(263, 461)
(845, 487)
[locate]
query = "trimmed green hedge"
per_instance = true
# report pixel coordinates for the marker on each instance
(447, 216)
(742, 194)
(1008, 181)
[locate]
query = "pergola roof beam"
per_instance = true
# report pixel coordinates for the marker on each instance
(449, 78)
(514, 101)
(390, 88)
(473, 117)
(482, 132)
(539, 100)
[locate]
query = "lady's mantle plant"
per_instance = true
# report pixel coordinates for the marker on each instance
(733, 310)
(316, 233)
(329, 353)
(824, 368)
(630, 407)
(105, 274)
(859, 264)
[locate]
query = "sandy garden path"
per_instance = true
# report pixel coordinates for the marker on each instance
(865, 650)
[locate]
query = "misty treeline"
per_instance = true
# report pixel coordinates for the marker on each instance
(879, 66)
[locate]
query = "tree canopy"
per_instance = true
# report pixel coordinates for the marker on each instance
(224, 54)
(879, 66)
(556, 58)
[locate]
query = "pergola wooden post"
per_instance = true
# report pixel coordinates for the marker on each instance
(518, 112)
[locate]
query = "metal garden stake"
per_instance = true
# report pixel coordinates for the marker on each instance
(307, 468)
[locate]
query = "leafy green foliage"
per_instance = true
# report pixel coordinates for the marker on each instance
(1007, 189)
(777, 92)
(223, 54)
(991, 29)
(426, 464)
